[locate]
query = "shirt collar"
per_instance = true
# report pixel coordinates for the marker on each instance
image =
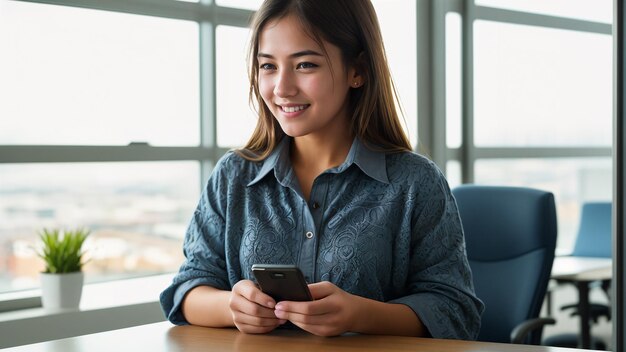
(278, 159)
(371, 162)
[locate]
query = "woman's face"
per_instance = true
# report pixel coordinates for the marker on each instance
(306, 92)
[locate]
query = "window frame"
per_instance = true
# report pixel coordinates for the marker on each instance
(431, 36)
(618, 310)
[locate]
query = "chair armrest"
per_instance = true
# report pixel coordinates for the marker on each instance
(569, 306)
(596, 310)
(521, 331)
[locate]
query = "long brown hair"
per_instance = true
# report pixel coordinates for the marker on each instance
(352, 26)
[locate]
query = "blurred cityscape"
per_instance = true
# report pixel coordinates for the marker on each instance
(136, 229)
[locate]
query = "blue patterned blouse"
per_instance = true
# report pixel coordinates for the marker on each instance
(381, 226)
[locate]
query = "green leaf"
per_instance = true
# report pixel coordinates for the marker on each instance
(63, 254)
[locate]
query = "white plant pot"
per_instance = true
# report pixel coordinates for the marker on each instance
(61, 292)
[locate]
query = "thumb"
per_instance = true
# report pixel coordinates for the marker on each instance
(322, 289)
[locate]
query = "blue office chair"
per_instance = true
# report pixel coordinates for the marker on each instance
(594, 233)
(592, 240)
(510, 234)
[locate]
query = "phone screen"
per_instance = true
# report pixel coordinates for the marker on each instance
(282, 282)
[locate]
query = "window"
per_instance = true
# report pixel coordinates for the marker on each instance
(590, 10)
(400, 44)
(242, 4)
(71, 77)
(537, 86)
(528, 98)
(235, 118)
(454, 80)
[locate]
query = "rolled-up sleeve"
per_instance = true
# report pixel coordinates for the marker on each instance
(440, 285)
(205, 262)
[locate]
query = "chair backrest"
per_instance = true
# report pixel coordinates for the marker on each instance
(594, 233)
(510, 233)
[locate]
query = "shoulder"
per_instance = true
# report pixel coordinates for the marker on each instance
(412, 168)
(232, 166)
(230, 160)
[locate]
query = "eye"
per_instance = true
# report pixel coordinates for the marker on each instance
(267, 67)
(305, 65)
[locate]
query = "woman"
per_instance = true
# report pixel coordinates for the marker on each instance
(327, 182)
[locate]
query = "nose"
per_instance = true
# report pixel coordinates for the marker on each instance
(285, 85)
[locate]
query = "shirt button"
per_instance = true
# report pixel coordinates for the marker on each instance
(309, 235)
(316, 205)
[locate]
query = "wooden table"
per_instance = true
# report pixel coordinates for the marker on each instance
(166, 337)
(581, 271)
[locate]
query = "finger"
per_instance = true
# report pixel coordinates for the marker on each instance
(244, 306)
(322, 325)
(303, 320)
(322, 289)
(253, 329)
(241, 318)
(252, 293)
(314, 313)
(323, 303)
(308, 308)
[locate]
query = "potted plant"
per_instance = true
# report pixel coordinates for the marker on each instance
(62, 280)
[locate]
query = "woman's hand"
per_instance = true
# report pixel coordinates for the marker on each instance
(252, 310)
(332, 312)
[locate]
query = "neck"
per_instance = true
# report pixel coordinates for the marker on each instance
(321, 152)
(316, 152)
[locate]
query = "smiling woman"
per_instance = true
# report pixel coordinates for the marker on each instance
(327, 149)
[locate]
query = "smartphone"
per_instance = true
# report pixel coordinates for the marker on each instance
(282, 282)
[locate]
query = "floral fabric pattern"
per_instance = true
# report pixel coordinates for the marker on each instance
(381, 226)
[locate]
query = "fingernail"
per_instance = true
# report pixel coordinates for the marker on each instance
(270, 304)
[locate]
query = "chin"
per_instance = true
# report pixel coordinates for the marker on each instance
(294, 132)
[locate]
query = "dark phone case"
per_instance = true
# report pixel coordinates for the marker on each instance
(282, 282)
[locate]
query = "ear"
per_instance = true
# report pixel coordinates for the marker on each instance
(356, 72)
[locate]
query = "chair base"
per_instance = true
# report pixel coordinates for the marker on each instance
(571, 341)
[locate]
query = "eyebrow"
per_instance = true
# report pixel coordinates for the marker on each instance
(294, 55)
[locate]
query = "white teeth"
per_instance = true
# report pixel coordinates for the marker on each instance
(293, 108)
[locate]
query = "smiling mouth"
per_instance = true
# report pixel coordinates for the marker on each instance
(294, 108)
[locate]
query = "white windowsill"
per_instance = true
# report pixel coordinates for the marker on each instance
(104, 306)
